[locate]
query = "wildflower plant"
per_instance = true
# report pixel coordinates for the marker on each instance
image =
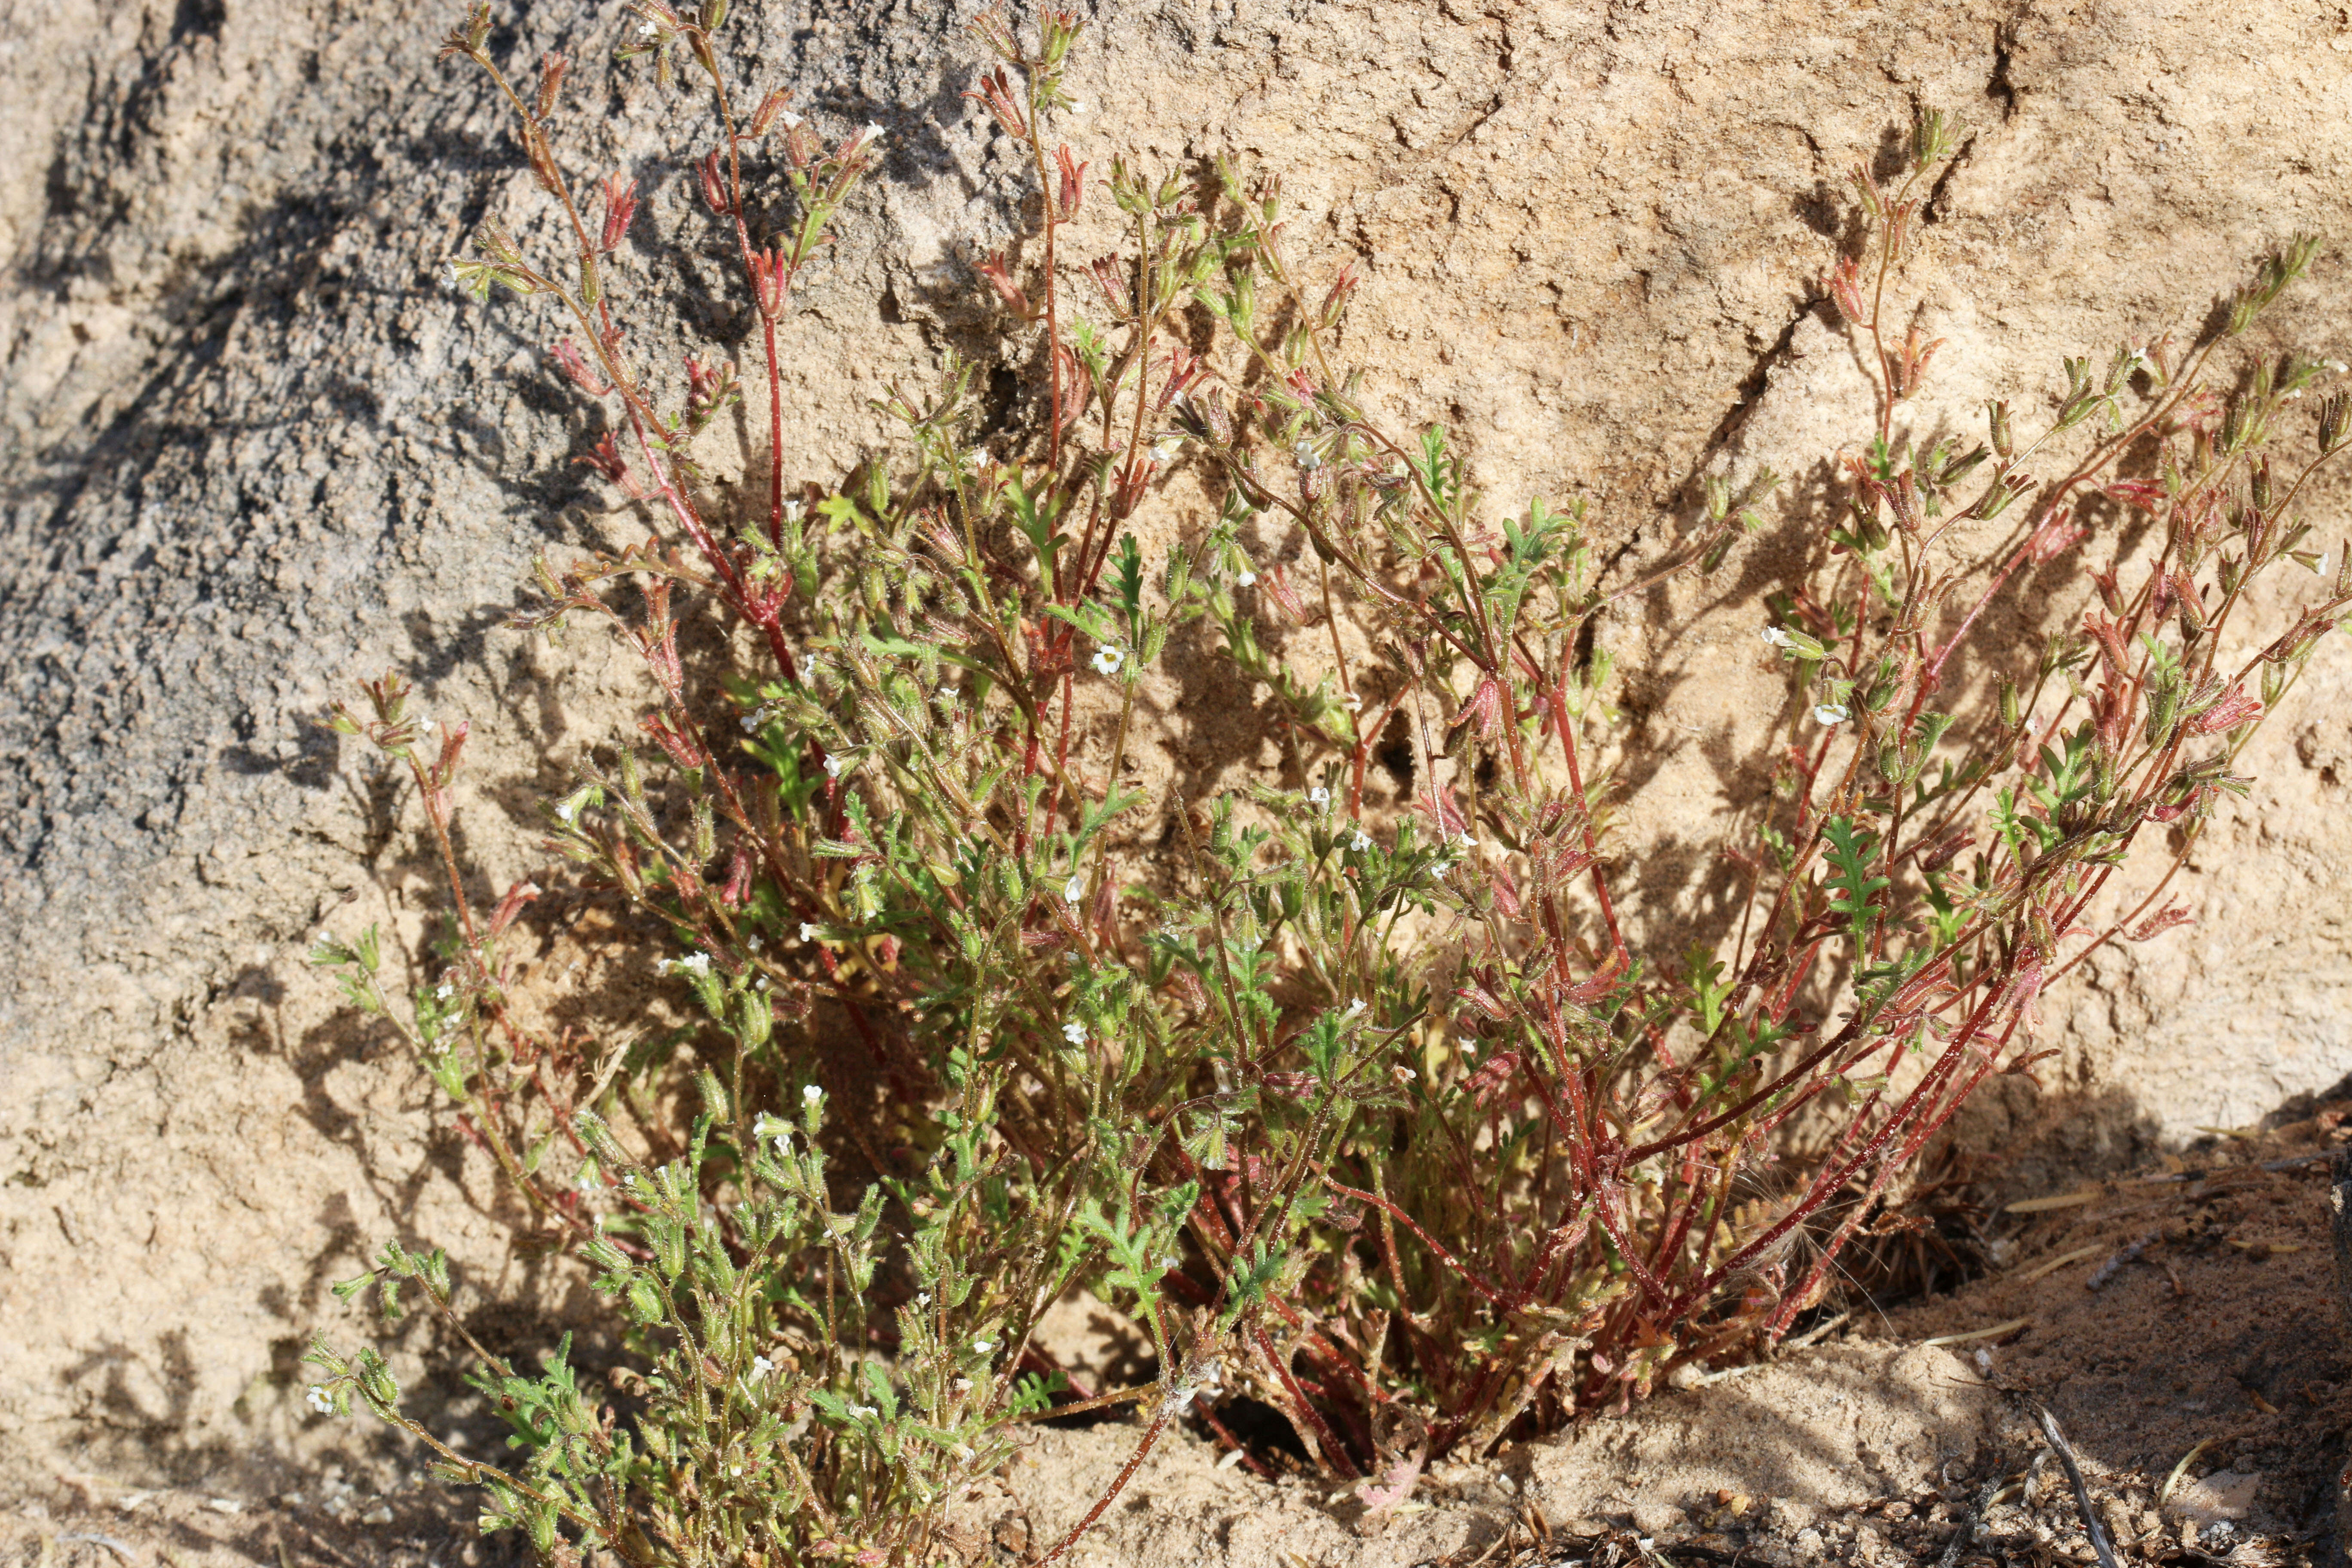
(1379, 1112)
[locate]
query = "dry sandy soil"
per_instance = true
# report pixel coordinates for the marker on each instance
(251, 447)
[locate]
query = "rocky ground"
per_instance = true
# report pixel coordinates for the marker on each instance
(252, 448)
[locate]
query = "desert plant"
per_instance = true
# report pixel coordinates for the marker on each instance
(1376, 1109)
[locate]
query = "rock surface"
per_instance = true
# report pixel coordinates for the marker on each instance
(254, 446)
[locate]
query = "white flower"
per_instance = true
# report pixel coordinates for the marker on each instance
(808, 932)
(922, 1298)
(1359, 843)
(1074, 889)
(760, 1367)
(693, 963)
(1402, 1074)
(2337, 365)
(1165, 450)
(1830, 713)
(567, 813)
(318, 1399)
(1320, 797)
(1356, 1006)
(1107, 659)
(983, 1346)
(1246, 579)
(790, 120)
(1778, 637)
(444, 991)
(1353, 703)
(750, 725)
(1469, 1049)
(588, 1179)
(1305, 453)
(867, 1411)
(1468, 843)
(871, 134)
(1077, 108)
(834, 766)
(734, 1469)
(812, 1093)
(1075, 1033)
(963, 1386)
(1441, 867)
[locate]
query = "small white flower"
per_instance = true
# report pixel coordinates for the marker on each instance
(963, 1386)
(2337, 365)
(1441, 867)
(1469, 1049)
(962, 1451)
(588, 1179)
(647, 29)
(1359, 843)
(1167, 448)
(444, 991)
(870, 135)
(1353, 703)
(1075, 1033)
(1830, 714)
(1468, 843)
(1320, 797)
(834, 766)
(1778, 637)
(734, 1469)
(324, 939)
(692, 963)
(1305, 453)
(1247, 579)
(808, 932)
(1404, 1075)
(567, 813)
(922, 1299)
(790, 120)
(318, 1399)
(811, 1093)
(1355, 1007)
(1074, 889)
(750, 725)
(1107, 659)
(867, 1411)
(983, 1346)
(1077, 108)
(1171, 1261)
